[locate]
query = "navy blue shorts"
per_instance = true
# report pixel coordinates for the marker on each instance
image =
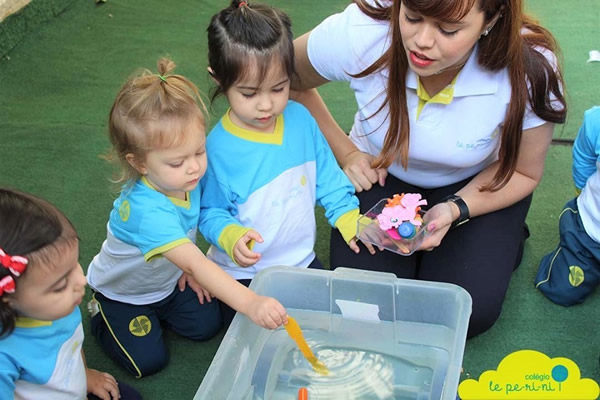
(571, 272)
(132, 335)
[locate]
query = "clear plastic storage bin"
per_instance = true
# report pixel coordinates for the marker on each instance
(380, 337)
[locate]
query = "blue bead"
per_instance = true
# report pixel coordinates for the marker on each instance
(407, 230)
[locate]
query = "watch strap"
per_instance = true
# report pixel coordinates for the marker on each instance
(463, 209)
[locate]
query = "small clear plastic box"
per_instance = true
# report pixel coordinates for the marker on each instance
(368, 230)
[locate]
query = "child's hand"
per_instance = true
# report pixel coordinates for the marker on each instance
(102, 384)
(195, 286)
(353, 244)
(242, 254)
(267, 312)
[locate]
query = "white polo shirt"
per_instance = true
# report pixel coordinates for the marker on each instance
(448, 142)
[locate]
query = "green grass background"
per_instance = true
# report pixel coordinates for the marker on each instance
(58, 83)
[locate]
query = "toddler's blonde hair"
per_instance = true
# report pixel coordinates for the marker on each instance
(152, 111)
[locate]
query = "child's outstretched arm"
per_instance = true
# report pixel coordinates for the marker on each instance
(264, 311)
(102, 384)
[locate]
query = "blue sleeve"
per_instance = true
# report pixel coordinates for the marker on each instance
(9, 374)
(216, 208)
(155, 231)
(335, 192)
(586, 149)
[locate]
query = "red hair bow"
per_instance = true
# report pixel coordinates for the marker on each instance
(15, 264)
(7, 285)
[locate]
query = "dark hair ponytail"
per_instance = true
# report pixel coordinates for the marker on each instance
(29, 226)
(245, 33)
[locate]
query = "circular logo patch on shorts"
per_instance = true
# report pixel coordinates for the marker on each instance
(576, 275)
(140, 326)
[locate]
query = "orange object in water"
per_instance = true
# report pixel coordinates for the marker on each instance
(293, 329)
(302, 393)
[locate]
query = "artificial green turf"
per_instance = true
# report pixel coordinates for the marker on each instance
(56, 90)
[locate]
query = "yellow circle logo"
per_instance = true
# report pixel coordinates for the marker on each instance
(124, 211)
(303, 180)
(140, 326)
(576, 276)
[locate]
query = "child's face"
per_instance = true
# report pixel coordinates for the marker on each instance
(256, 105)
(50, 292)
(177, 169)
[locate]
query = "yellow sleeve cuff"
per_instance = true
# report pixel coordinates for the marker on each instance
(577, 191)
(157, 252)
(229, 237)
(347, 224)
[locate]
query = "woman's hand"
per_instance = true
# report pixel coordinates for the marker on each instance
(357, 166)
(102, 384)
(242, 255)
(437, 222)
(267, 312)
(202, 293)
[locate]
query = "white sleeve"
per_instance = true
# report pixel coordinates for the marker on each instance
(346, 43)
(530, 119)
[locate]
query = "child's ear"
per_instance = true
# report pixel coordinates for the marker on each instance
(212, 75)
(135, 163)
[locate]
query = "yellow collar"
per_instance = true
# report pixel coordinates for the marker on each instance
(444, 96)
(25, 322)
(178, 202)
(259, 137)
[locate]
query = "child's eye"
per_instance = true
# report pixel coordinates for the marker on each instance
(176, 165)
(278, 90)
(62, 287)
(248, 95)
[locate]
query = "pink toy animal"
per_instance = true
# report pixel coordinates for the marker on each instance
(401, 208)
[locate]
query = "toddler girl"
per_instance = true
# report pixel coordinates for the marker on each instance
(269, 163)
(41, 286)
(156, 127)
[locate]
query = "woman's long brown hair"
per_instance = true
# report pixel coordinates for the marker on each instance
(513, 43)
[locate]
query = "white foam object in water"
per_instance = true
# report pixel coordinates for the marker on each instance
(594, 56)
(357, 310)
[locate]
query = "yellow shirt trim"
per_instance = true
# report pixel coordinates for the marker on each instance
(445, 96)
(259, 137)
(157, 252)
(178, 202)
(347, 224)
(229, 237)
(26, 322)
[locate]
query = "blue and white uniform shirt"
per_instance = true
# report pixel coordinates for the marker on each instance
(42, 360)
(143, 224)
(270, 182)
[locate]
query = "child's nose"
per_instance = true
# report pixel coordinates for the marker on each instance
(265, 103)
(193, 167)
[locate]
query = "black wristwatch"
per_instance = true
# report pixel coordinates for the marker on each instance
(463, 209)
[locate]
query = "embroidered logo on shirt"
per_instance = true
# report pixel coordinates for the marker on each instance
(124, 211)
(140, 326)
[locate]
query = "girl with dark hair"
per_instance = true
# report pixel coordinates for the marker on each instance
(457, 101)
(41, 286)
(269, 163)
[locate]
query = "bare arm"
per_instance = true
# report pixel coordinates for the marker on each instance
(356, 165)
(264, 311)
(529, 170)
